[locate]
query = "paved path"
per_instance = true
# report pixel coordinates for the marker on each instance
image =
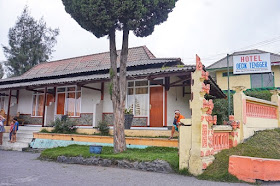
(30, 171)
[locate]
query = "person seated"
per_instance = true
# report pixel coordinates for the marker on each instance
(176, 122)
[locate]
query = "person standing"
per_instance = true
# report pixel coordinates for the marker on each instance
(2, 128)
(13, 133)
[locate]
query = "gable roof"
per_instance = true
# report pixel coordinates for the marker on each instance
(222, 63)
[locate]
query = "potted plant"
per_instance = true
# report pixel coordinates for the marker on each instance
(128, 118)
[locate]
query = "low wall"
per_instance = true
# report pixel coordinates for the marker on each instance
(221, 137)
(259, 115)
(250, 169)
(255, 114)
(130, 132)
(46, 139)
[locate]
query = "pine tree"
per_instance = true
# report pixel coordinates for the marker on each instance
(30, 43)
(103, 18)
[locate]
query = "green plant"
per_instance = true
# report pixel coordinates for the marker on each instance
(44, 131)
(263, 94)
(180, 66)
(64, 125)
(103, 128)
(221, 109)
(128, 111)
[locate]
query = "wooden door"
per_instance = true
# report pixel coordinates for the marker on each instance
(60, 103)
(156, 106)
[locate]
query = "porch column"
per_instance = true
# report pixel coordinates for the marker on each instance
(102, 91)
(9, 103)
(44, 107)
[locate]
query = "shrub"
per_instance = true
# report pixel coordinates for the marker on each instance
(264, 94)
(44, 131)
(103, 128)
(64, 125)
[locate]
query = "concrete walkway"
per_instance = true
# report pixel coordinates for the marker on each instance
(30, 171)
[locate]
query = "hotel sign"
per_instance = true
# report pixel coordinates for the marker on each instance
(253, 63)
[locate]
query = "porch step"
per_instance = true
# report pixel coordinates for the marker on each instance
(24, 138)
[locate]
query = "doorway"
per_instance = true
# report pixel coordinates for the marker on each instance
(156, 106)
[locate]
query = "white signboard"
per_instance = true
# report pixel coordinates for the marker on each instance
(253, 63)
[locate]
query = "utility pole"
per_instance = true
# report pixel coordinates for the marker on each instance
(228, 86)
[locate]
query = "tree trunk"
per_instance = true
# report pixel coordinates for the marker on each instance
(118, 96)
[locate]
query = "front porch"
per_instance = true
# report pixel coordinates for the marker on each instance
(153, 97)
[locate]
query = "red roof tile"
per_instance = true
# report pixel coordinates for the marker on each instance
(88, 62)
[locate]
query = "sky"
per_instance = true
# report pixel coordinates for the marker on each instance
(209, 28)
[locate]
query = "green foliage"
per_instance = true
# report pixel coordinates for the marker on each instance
(64, 125)
(180, 66)
(221, 109)
(128, 110)
(264, 144)
(103, 128)
(264, 94)
(30, 43)
(44, 131)
(100, 17)
(1, 71)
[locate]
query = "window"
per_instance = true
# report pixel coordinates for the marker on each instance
(262, 80)
(138, 97)
(230, 74)
(69, 101)
(38, 103)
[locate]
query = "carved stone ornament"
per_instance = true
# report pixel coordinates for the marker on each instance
(239, 88)
(205, 88)
(204, 75)
(199, 65)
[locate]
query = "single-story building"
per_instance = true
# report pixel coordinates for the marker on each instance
(268, 80)
(79, 87)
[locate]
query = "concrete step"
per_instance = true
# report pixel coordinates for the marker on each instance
(19, 135)
(27, 128)
(24, 138)
(17, 146)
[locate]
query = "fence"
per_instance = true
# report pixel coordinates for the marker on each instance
(255, 114)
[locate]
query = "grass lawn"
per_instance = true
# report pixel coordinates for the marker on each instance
(149, 154)
(264, 144)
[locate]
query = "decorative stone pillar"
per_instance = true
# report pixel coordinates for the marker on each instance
(275, 98)
(239, 103)
(201, 152)
(234, 135)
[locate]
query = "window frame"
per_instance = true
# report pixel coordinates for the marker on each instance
(262, 86)
(134, 93)
(37, 94)
(66, 91)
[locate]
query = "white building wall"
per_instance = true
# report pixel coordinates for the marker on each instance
(176, 101)
(107, 103)
(25, 102)
(90, 98)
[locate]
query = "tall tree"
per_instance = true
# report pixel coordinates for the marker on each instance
(30, 43)
(1, 70)
(104, 17)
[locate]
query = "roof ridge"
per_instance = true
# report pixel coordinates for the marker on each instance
(148, 52)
